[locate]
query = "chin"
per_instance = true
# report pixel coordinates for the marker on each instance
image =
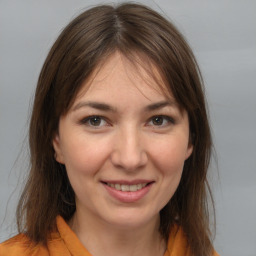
(133, 220)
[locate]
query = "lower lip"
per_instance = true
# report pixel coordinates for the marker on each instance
(128, 196)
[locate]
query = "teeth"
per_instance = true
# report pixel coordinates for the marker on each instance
(117, 186)
(133, 187)
(127, 188)
(139, 186)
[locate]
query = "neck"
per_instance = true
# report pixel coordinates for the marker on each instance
(101, 238)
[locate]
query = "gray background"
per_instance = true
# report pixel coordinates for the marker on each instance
(223, 37)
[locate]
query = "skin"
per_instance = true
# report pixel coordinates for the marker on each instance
(130, 138)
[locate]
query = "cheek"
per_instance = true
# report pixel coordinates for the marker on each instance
(169, 161)
(83, 160)
(170, 156)
(84, 156)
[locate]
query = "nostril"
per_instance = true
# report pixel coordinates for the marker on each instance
(128, 160)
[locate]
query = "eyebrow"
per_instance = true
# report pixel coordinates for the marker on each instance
(106, 107)
(159, 105)
(96, 105)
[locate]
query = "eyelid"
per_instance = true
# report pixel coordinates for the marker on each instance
(170, 120)
(85, 121)
(167, 121)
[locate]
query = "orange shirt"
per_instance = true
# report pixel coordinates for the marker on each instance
(64, 242)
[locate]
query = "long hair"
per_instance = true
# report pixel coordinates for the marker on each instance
(133, 30)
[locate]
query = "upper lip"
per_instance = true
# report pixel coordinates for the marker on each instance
(128, 182)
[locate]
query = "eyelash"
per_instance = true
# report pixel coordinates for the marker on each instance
(168, 119)
(86, 121)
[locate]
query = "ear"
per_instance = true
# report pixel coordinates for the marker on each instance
(189, 150)
(57, 148)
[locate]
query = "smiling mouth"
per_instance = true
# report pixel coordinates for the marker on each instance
(127, 188)
(128, 191)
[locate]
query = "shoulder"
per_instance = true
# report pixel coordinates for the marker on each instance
(178, 242)
(22, 245)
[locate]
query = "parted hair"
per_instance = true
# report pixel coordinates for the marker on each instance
(133, 30)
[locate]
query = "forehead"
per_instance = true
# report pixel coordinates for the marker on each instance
(129, 75)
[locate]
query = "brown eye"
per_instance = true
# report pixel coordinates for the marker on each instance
(157, 120)
(94, 121)
(161, 121)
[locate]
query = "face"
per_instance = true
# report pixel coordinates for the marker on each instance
(124, 144)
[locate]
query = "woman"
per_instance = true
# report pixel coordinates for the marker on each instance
(120, 143)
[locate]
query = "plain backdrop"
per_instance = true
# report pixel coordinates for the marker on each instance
(223, 37)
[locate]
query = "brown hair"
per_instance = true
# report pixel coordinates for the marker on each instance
(90, 38)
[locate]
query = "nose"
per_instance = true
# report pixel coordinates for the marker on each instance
(128, 151)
